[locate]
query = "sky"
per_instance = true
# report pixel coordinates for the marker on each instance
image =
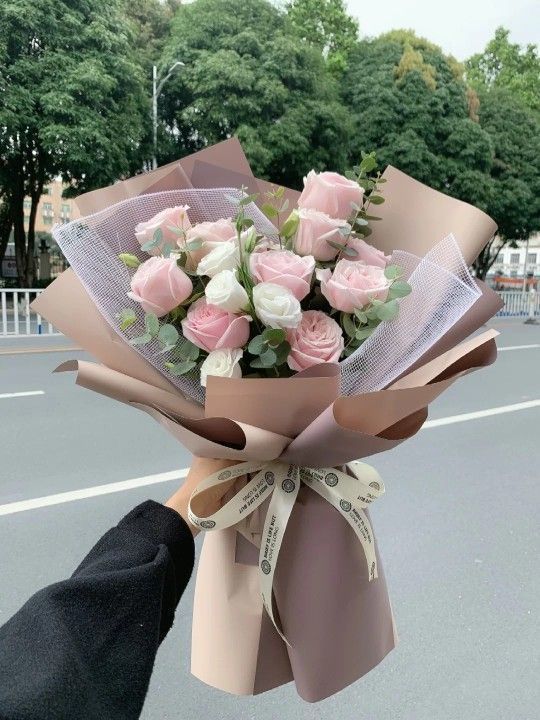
(460, 27)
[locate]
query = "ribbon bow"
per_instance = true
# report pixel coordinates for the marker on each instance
(349, 494)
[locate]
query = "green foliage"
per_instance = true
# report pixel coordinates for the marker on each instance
(507, 66)
(246, 74)
(270, 348)
(72, 103)
(326, 25)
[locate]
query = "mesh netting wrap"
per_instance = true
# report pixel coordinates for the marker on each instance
(442, 292)
(442, 288)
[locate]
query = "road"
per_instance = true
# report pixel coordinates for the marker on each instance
(457, 530)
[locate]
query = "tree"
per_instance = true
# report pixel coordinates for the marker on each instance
(411, 103)
(73, 104)
(505, 65)
(327, 26)
(246, 74)
(514, 131)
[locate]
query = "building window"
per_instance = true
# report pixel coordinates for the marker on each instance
(514, 259)
(27, 204)
(531, 258)
(47, 220)
(47, 190)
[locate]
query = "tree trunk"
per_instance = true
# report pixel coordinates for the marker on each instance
(484, 262)
(6, 224)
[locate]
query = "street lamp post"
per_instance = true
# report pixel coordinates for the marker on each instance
(157, 88)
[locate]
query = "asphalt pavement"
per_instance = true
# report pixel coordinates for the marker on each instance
(457, 530)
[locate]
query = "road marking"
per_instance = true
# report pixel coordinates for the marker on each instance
(29, 393)
(464, 417)
(518, 347)
(30, 351)
(84, 493)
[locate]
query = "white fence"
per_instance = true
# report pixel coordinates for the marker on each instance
(17, 318)
(518, 304)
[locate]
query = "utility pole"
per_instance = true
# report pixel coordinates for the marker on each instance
(157, 88)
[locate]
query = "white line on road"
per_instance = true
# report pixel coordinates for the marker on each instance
(89, 492)
(518, 347)
(464, 417)
(60, 498)
(28, 393)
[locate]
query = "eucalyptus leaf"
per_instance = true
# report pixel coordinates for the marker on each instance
(180, 368)
(256, 345)
(274, 336)
(388, 311)
(129, 260)
(141, 340)
(189, 350)
(127, 318)
(376, 199)
(174, 229)
(361, 316)
(364, 333)
(167, 250)
(168, 335)
(194, 244)
(393, 271)
(399, 289)
(268, 357)
(269, 210)
(348, 324)
(350, 251)
(151, 324)
(282, 352)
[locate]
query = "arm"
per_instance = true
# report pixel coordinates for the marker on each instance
(85, 647)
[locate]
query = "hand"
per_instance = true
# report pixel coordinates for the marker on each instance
(200, 469)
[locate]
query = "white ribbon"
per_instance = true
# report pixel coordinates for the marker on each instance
(349, 494)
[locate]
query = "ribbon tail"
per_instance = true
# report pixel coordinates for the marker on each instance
(279, 511)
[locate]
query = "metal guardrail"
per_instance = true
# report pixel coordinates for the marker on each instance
(519, 304)
(17, 319)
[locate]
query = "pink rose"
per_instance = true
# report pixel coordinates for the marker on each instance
(285, 268)
(172, 222)
(159, 285)
(314, 230)
(211, 328)
(353, 285)
(318, 339)
(211, 234)
(367, 253)
(330, 193)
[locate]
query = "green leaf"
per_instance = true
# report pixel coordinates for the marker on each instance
(189, 350)
(194, 244)
(267, 359)
(168, 335)
(371, 217)
(364, 333)
(368, 164)
(158, 236)
(247, 199)
(178, 313)
(150, 245)
(180, 368)
(388, 311)
(366, 231)
(141, 340)
(348, 324)
(334, 244)
(151, 324)
(361, 222)
(192, 298)
(274, 336)
(279, 192)
(361, 315)
(167, 250)
(127, 318)
(256, 345)
(269, 210)
(399, 289)
(350, 251)
(131, 261)
(376, 199)
(393, 271)
(282, 352)
(290, 226)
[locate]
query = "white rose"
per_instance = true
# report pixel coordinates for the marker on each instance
(276, 306)
(223, 363)
(226, 292)
(223, 257)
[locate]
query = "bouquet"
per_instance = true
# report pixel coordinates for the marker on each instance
(259, 325)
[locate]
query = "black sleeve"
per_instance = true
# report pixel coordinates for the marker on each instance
(85, 647)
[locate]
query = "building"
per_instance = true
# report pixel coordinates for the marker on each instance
(53, 209)
(518, 262)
